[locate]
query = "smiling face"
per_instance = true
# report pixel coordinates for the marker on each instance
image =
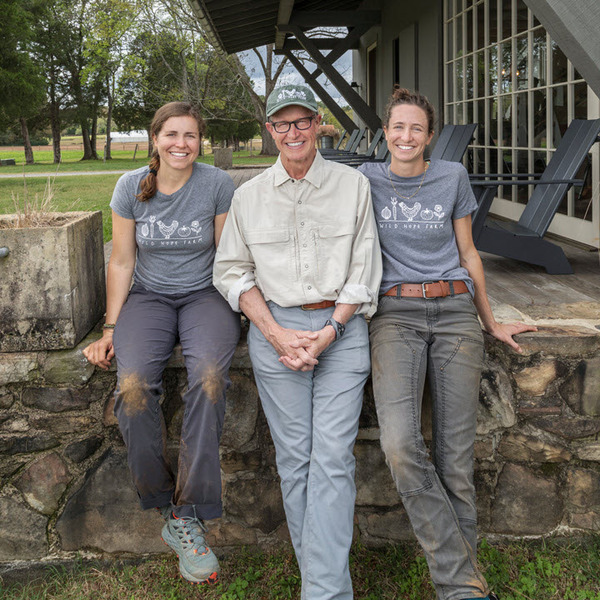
(178, 143)
(407, 134)
(297, 147)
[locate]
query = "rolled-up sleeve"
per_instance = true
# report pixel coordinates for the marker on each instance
(365, 269)
(233, 272)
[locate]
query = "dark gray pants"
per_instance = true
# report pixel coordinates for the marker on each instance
(147, 329)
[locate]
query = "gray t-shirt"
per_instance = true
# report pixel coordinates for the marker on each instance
(175, 234)
(416, 235)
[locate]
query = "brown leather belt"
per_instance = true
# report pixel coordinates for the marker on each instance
(428, 289)
(317, 305)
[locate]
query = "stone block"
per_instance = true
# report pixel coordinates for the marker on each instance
(65, 263)
(483, 449)
(570, 428)
(582, 389)
(526, 502)
(108, 414)
(564, 341)
(223, 158)
(55, 399)
(534, 381)
(522, 447)
(223, 533)
(392, 526)
(233, 462)
(6, 398)
(22, 444)
(22, 532)
(589, 451)
(67, 367)
(374, 483)
(241, 413)
(256, 501)
(496, 403)
(14, 423)
(105, 513)
(63, 424)
(18, 367)
(583, 486)
(43, 483)
(82, 449)
(590, 520)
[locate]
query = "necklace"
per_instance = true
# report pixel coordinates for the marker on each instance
(420, 185)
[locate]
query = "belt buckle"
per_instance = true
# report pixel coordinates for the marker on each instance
(424, 291)
(305, 307)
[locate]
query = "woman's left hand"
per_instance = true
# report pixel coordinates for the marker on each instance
(505, 332)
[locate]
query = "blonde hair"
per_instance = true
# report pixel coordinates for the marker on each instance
(403, 96)
(172, 109)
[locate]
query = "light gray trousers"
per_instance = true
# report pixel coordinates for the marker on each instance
(147, 329)
(439, 338)
(313, 419)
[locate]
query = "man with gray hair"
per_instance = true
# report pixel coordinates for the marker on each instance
(299, 255)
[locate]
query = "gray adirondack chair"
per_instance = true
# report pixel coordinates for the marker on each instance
(523, 240)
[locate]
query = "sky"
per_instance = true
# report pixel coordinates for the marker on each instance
(290, 75)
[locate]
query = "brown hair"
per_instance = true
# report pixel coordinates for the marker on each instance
(404, 96)
(172, 109)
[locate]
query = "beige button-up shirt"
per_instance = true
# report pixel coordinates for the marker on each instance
(302, 241)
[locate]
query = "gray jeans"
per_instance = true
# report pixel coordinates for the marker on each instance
(440, 338)
(147, 329)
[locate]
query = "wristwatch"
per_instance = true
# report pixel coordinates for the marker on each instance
(339, 328)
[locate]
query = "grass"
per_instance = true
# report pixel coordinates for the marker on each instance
(565, 570)
(122, 161)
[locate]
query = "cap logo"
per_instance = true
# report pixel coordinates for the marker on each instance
(286, 94)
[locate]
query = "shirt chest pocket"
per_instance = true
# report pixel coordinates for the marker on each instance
(334, 251)
(273, 252)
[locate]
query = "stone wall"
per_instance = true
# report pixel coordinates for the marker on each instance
(65, 486)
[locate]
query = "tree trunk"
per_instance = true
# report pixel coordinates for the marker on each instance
(87, 146)
(54, 117)
(94, 134)
(26, 141)
(150, 145)
(107, 155)
(269, 147)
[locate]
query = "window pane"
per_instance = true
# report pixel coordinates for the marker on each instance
(581, 104)
(450, 82)
(521, 165)
(539, 119)
(582, 195)
(521, 62)
(494, 121)
(521, 16)
(480, 131)
(459, 79)
(480, 20)
(522, 128)
(493, 71)
(559, 64)
(480, 69)
(469, 77)
(506, 115)
(506, 21)
(450, 39)
(539, 161)
(540, 57)
(469, 30)
(493, 8)
(506, 62)
(559, 113)
(459, 36)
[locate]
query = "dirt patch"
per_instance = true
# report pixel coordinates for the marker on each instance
(35, 219)
(213, 383)
(133, 391)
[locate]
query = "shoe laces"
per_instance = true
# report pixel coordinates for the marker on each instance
(190, 531)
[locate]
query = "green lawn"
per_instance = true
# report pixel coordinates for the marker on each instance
(552, 570)
(122, 160)
(70, 193)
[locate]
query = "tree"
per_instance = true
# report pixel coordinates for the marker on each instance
(21, 82)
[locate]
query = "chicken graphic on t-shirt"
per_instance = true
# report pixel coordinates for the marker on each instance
(410, 212)
(167, 230)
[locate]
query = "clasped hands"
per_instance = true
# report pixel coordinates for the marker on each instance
(298, 350)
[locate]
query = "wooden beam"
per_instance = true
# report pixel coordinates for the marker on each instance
(335, 18)
(283, 16)
(320, 43)
(345, 121)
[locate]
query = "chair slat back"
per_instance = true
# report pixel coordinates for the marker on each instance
(564, 164)
(453, 141)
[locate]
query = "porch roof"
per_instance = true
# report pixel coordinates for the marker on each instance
(236, 25)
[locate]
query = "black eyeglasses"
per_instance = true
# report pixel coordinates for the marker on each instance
(301, 124)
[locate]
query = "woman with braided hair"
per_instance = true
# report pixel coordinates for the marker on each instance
(426, 326)
(167, 221)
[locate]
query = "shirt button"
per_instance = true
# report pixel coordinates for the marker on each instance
(299, 201)
(302, 223)
(310, 287)
(306, 266)
(304, 245)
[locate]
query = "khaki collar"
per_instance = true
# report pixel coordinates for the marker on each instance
(314, 175)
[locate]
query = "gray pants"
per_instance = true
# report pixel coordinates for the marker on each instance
(147, 329)
(313, 419)
(440, 338)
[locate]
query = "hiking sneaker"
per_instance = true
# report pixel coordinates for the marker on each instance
(165, 511)
(197, 562)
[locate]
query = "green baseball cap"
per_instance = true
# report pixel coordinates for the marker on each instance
(288, 95)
